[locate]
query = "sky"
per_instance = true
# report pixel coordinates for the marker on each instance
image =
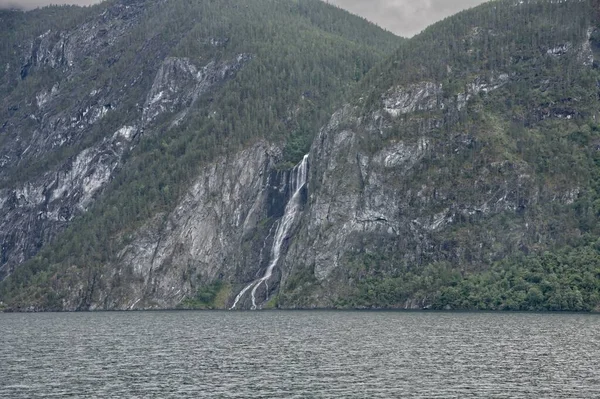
(403, 17)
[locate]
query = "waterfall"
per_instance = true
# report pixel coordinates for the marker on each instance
(298, 179)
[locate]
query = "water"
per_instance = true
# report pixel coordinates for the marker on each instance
(299, 355)
(298, 179)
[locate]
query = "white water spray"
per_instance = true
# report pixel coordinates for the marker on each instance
(242, 292)
(298, 179)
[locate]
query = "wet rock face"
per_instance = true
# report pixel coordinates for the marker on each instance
(397, 180)
(223, 229)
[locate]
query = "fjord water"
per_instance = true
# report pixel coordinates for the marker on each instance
(299, 354)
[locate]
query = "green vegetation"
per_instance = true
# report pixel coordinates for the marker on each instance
(306, 57)
(534, 138)
(212, 296)
(273, 303)
(566, 280)
(502, 36)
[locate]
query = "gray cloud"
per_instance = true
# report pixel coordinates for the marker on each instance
(403, 17)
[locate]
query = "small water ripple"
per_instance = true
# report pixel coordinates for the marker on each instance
(299, 355)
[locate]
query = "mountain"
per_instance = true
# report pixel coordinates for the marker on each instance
(465, 174)
(154, 156)
(109, 113)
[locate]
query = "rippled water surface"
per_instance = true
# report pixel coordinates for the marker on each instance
(299, 354)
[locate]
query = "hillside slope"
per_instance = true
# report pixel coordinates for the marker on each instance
(461, 173)
(126, 101)
(466, 174)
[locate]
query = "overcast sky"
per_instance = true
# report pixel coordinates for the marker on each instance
(403, 17)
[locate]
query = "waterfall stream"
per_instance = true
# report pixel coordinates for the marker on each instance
(298, 179)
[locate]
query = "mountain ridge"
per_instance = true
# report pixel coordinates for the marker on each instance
(226, 111)
(460, 174)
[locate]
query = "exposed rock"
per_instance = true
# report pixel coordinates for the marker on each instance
(63, 50)
(428, 96)
(34, 210)
(390, 204)
(559, 50)
(587, 54)
(480, 85)
(201, 240)
(42, 208)
(424, 96)
(425, 176)
(43, 97)
(178, 84)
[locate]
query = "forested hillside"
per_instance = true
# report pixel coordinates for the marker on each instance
(75, 76)
(455, 170)
(496, 199)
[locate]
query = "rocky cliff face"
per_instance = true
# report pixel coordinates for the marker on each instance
(71, 132)
(129, 96)
(400, 205)
(407, 184)
(36, 211)
(35, 207)
(397, 200)
(212, 234)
